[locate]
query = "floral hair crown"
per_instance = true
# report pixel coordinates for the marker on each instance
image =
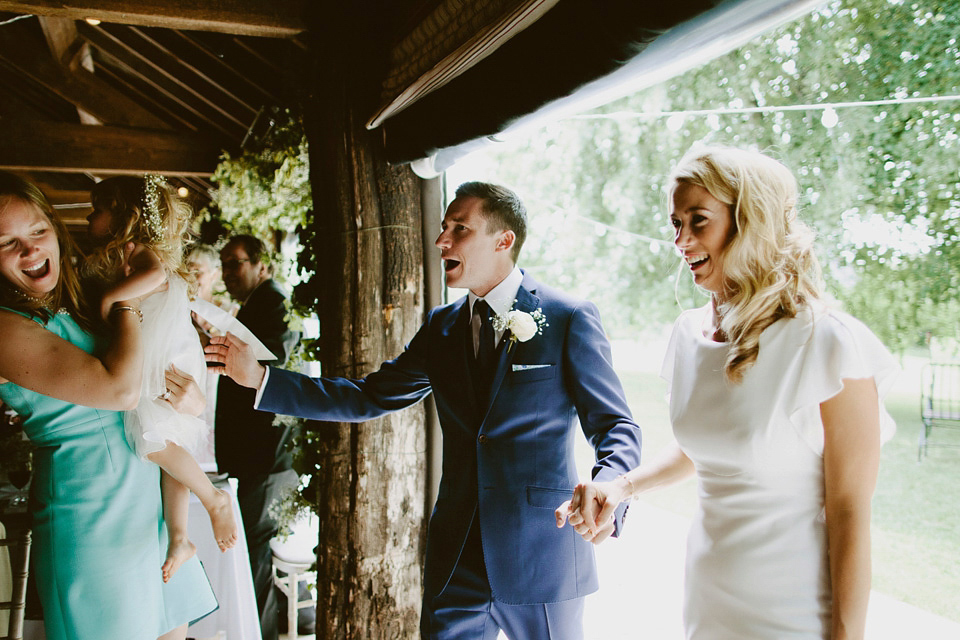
(153, 185)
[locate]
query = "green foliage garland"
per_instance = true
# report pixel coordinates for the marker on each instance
(267, 187)
(265, 191)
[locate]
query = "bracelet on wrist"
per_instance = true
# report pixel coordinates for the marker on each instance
(116, 310)
(630, 490)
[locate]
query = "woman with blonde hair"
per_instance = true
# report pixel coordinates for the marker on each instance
(98, 526)
(775, 406)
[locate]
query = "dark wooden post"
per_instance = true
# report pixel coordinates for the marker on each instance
(372, 476)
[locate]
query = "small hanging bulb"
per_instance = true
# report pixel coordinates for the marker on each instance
(829, 119)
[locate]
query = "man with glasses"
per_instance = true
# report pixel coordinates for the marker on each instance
(248, 446)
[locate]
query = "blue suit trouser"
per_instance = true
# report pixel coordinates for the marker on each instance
(466, 609)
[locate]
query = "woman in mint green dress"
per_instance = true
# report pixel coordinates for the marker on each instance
(99, 538)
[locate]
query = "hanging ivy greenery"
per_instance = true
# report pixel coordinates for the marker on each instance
(265, 191)
(267, 186)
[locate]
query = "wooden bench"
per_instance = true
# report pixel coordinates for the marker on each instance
(939, 402)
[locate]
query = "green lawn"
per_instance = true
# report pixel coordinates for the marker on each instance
(916, 519)
(916, 516)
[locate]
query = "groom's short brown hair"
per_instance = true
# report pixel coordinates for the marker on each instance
(502, 209)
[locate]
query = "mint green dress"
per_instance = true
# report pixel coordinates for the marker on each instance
(98, 533)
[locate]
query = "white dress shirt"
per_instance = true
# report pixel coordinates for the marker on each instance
(500, 299)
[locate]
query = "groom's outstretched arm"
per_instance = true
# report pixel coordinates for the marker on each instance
(397, 384)
(598, 396)
(342, 399)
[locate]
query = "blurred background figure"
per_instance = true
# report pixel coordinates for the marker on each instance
(204, 263)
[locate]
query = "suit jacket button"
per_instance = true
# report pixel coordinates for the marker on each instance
(482, 439)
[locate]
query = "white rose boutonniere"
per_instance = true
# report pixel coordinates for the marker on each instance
(522, 325)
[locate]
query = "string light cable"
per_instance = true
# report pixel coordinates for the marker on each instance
(826, 107)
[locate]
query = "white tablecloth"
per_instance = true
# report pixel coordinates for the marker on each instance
(229, 573)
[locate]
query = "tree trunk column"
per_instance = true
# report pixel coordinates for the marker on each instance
(372, 476)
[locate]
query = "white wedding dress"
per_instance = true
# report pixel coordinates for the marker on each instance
(757, 554)
(168, 338)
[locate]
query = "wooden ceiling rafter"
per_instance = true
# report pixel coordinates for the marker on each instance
(154, 75)
(265, 18)
(253, 53)
(197, 184)
(243, 56)
(200, 62)
(78, 86)
(26, 98)
(160, 86)
(214, 66)
(64, 42)
(77, 148)
(145, 94)
(206, 91)
(447, 43)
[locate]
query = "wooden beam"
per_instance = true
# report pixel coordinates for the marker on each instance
(270, 18)
(62, 39)
(70, 52)
(162, 80)
(118, 76)
(213, 64)
(24, 99)
(56, 146)
(203, 86)
(78, 86)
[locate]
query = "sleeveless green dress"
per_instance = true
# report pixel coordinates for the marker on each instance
(98, 533)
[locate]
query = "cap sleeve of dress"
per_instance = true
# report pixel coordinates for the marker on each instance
(838, 347)
(681, 331)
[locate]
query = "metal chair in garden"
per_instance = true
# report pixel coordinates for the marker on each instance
(939, 403)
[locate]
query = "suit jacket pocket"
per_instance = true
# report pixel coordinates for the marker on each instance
(547, 498)
(532, 375)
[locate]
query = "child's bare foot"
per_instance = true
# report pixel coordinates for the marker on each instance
(179, 551)
(223, 521)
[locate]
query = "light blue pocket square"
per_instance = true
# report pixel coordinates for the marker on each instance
(527, 367)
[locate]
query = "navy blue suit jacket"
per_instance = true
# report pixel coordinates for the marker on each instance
(510, 461)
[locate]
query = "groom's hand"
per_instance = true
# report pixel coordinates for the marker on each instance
(231, 356)
(590, 512)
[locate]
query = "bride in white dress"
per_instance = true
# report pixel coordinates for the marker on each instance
(775, 405)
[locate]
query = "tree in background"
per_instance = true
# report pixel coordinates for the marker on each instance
(879, 183)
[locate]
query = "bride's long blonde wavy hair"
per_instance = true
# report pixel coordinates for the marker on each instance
(769, 268)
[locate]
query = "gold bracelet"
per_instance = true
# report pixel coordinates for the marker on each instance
(128, 308)
(629, 485)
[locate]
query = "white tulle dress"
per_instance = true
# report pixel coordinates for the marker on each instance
(757, 553)
(168, 338)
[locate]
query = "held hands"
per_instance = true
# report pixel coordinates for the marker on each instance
(591, 510)
(231, 356)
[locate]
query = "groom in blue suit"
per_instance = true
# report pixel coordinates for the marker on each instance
(508, 397)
